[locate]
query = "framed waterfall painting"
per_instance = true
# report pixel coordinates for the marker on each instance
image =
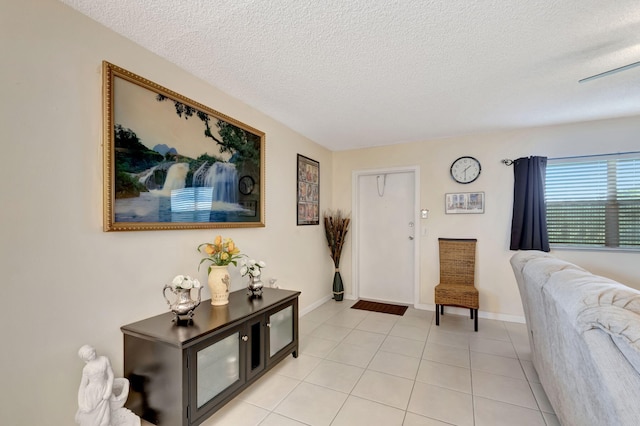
(172, 163)
(308, 191)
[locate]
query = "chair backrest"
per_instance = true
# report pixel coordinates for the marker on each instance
(457, 261)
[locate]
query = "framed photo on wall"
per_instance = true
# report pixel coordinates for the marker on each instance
(172, 163)
(308, 191)
(464, 203)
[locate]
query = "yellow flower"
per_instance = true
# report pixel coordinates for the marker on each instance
(221, 252)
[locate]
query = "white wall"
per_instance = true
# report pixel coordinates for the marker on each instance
(65, 281)
(499, 297)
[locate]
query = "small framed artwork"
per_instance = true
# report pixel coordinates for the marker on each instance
(308, 191)
(464, 203)
(172, 163)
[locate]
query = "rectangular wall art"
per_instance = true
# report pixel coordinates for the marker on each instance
(464, 202)
(172, 163)
(308, 191)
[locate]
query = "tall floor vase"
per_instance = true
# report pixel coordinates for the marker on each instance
(338, 287)
(219, 282)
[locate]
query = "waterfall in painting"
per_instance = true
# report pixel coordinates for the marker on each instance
(221, 177)
(211, 193)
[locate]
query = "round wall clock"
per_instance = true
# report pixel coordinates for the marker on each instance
(465, 169)
(246, 184)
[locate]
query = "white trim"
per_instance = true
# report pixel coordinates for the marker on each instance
(450, 310)
(355, 175)
(315, 305)
(481, 314)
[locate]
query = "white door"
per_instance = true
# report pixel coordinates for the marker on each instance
(386, 236)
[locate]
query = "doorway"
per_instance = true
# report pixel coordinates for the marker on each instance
(386, 231)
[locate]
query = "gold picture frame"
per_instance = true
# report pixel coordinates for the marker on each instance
(172, 163)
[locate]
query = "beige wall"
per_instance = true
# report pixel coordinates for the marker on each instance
(66, 282)
(499, 297)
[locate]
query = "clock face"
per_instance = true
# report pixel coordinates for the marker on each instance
(465, 169)
(245, 185)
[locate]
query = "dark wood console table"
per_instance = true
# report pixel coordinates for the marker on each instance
(182, 374)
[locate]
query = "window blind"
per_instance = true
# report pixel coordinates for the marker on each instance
(594, 201)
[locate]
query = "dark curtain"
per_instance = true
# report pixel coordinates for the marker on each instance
(529, 221)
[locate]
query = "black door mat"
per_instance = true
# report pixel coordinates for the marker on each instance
(385, 308)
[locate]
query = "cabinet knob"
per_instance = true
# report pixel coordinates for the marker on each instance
(245, 338)
(269, 324)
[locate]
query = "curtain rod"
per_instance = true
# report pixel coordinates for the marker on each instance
(508, 162)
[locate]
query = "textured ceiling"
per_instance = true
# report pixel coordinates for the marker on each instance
(362, 73)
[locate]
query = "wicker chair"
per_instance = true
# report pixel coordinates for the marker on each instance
(457, 272)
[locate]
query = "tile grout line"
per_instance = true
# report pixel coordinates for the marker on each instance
(420, 360)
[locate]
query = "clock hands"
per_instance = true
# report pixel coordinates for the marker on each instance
(465, 169)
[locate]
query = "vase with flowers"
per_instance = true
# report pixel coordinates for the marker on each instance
(183, 305)
(253, 269)
(220, 253)
(336, 225)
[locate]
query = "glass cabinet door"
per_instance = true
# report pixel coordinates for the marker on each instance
(280, 330)
(217, 369)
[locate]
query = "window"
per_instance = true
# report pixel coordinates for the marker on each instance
(594, 201)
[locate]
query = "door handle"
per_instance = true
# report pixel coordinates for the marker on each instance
(410, 237)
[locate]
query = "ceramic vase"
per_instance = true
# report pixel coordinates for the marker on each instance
(219, 282)
(338, 287)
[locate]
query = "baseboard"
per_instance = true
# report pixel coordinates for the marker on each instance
(481, 314)
(428, 307)
(314, 305)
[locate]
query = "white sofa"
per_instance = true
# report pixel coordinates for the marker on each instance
(584, 332)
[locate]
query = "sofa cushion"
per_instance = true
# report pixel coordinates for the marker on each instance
(595, 302)
(616, 311)
(539, 270)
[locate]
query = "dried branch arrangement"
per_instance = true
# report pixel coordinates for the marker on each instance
(336, 225)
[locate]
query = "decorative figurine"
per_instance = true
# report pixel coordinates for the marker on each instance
(101, 398)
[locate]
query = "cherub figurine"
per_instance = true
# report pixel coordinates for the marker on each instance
(101, 397)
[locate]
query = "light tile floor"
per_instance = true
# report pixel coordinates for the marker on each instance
(364, 368)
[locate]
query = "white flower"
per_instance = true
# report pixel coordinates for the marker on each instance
(251, 267)
(186, 282)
